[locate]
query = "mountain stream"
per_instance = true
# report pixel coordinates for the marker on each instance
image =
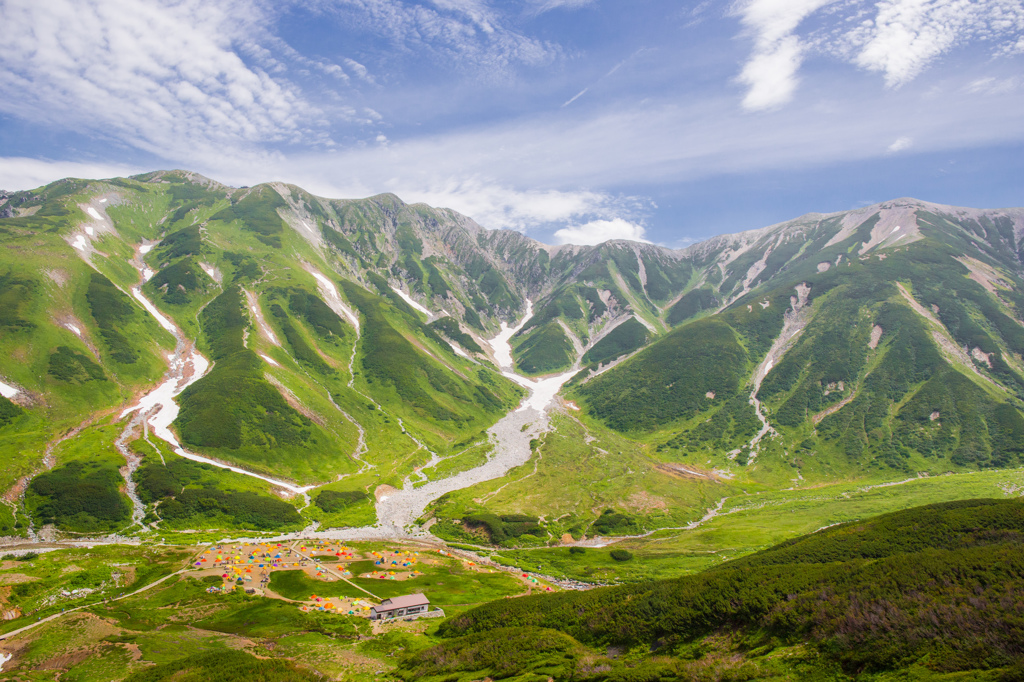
(396, 512)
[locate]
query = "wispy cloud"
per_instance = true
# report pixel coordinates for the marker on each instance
(541, 6)
(907, 35)
(17, 173)
(897, 38)
(575, 97)
(159, 76)
(464, 34)
(900, 144)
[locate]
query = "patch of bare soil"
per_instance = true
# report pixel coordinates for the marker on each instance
(384, 491)
(643, 501)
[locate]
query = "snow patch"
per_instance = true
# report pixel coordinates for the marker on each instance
(408, 299)
(94, 213)
(103, 201)
(164, 322)
(458, 350)
(145, 248)
(257, 314)
(8, 391)
(73, 328)
(334, 302)
(147, 274)
(270, 360)
(500, 344)
(88, 229)
(80, 243)
(543, 391)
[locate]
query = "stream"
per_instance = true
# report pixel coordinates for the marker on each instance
(396, 512)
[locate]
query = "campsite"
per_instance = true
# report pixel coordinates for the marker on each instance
(311, 600)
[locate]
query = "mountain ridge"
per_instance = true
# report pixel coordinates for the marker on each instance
(813, 350)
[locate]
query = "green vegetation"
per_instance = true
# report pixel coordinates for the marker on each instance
(450, 328)
(692, 303)
(257, 210)
(423, 385)
(70, 367)
(611, 522)
(333, 501)
(669, 380)
(864, 597)
(564, 305)
(234, 410)
(626, 338)
(225, 666)
(189, 497)
(501, 528)
(302, 350)
(545, 350)
(184, 242)
(510, 653)
(314, 312)
(113, 312)
(16, 295)
(80, 496)
(178, 284)
(8, 412)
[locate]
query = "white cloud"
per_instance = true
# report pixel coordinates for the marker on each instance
(897, 38)
(17, 173)
(771, 71)
(907, 35)
(900, 144)
(771, 75)
(599, 231)
(162, 76)
(496, 205)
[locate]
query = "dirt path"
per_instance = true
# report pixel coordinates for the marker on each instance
(153, 584)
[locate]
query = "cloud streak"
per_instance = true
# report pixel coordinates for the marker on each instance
(896, 38)
(156, 75)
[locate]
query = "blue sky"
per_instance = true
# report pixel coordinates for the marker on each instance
(571, 120)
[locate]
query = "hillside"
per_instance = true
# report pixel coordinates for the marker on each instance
(262, 347)
(929, 593)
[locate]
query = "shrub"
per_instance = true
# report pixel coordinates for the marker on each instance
(332, 501)
(68, 366)
(112, 310)
(621, 555)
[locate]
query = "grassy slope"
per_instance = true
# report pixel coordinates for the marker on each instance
(872, 597)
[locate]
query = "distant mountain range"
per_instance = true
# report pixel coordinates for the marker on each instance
(343, 345)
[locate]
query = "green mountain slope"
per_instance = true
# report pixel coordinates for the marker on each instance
(927, 592)
(349, 350)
